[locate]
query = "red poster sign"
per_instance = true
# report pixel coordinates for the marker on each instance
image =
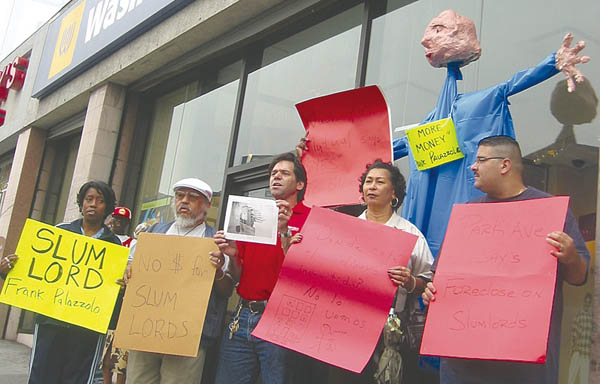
(495, 282)
(347, 131)
(333, 293)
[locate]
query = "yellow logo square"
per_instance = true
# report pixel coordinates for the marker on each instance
(67, 39)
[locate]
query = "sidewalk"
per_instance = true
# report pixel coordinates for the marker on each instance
(14, 362)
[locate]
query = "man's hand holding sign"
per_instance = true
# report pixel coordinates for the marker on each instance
(494, 283)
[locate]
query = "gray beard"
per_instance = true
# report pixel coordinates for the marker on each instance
(185, 222)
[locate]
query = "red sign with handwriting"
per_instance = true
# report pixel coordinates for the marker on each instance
(495, 282)
(333, 293)
(346, 131)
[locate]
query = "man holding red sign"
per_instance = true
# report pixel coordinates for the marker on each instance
(498, 172)
(242, 357)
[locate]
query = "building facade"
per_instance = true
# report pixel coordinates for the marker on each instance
(140, 94)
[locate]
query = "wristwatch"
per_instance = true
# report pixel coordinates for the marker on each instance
(287, 234)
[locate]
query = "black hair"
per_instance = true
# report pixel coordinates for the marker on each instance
(497, 141)
(396, 178)
(505, 146)
(299, 170)
(104, 189)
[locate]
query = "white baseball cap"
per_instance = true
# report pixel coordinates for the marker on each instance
(195, 184)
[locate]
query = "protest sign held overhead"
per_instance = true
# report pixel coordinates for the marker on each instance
(346, 131)
(495, 282)
(333, 294)
(167, 296)
(66, 276)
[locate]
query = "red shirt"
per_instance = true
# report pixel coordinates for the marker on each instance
(261, 262)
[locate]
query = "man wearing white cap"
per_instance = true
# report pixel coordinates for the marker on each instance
(192, 200)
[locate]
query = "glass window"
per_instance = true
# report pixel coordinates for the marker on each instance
(65, 154)
(5, 166)
(153, 205)
(189, 139)
(315, 62)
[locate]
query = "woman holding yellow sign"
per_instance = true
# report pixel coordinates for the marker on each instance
(66, 353)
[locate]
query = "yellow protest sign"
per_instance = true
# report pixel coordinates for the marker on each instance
(167, 296)
(434, 144)
(66, 276)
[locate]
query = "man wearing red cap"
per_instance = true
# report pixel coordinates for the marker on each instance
(119, 224)
(114, 360)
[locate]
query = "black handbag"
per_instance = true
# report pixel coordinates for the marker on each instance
(412, 324)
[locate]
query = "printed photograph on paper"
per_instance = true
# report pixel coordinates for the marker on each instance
(251, 219)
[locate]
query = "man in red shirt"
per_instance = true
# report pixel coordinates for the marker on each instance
(256, 266)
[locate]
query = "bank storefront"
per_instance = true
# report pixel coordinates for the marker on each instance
(220, 107)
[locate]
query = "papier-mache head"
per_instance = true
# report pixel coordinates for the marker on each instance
(451, 38)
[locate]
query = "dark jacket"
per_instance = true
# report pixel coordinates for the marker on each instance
(217, 304)
(107, 235)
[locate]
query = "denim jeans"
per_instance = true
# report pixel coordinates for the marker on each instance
(244, 356)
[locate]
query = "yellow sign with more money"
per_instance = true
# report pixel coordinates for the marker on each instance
(434, 144)
(66, 276)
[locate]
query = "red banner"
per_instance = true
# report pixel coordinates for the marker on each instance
(346, 131)
(333, 293)
(495, 282)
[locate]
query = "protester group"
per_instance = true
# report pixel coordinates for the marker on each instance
(491, 169)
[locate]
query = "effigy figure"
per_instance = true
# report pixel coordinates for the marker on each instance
(450, 41)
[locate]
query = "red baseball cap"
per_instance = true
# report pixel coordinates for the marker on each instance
(122, 212)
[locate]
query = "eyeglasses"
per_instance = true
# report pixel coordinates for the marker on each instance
(481, 159)
(194, 196)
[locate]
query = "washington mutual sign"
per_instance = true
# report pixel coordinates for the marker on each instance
(89, 30)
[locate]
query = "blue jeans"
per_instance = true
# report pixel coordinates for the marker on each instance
(244, 356)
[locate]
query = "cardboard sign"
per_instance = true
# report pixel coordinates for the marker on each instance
(434, 144)
(66, 276)
(495, 282)
(333, 293)
(346, 131)
(167, 296)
